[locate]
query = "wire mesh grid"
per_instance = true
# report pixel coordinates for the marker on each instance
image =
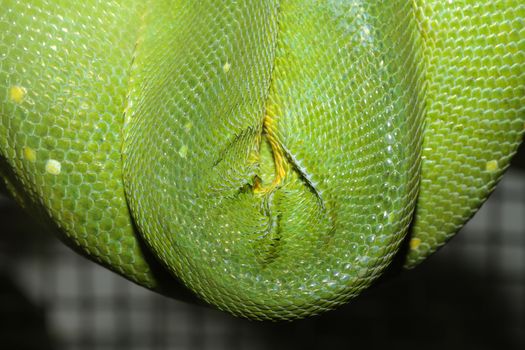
(471, 294)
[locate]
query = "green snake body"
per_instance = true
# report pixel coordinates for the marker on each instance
(271, 155)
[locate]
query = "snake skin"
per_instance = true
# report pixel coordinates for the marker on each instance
(270, 152)
(63, 92)
(475, 57)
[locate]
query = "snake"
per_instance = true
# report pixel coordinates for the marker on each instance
(270, 158)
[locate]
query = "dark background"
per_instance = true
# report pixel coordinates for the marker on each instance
(470, 295)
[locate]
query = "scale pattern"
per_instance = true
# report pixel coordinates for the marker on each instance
(269, 151)
(64, 83)
(328, 229)
(475, 52)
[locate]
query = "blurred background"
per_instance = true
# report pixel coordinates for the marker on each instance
(470, 295)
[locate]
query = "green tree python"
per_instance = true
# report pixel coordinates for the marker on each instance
(272, 156)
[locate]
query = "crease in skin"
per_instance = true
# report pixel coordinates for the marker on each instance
(132, 66)
(280, 164)
(283, 162)
(269, 129)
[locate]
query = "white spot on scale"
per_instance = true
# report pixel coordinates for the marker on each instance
(492, 165)
(183, 151)
(415, 243)
(17, 93)
(226, 67)
(53, 167)
(29, 154)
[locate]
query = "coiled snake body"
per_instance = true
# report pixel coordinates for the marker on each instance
(271, 155)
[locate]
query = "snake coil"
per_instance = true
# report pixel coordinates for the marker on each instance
(273, 156)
